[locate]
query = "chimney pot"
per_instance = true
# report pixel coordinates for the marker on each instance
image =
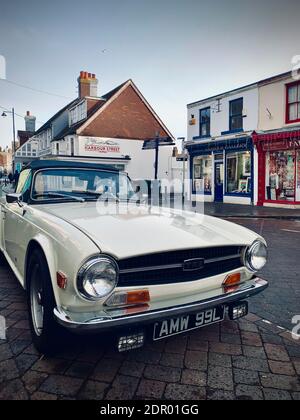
(30, 122)
(87, 84)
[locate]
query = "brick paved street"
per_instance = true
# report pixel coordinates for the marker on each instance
(251, 359)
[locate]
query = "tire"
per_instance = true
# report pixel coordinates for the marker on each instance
(41, 302)
(2, 259)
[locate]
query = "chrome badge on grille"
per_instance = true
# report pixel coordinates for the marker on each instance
(194, 264)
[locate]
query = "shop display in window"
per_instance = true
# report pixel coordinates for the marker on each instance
(238, 174)
(298, 177)
(280, 177)
(202, 173)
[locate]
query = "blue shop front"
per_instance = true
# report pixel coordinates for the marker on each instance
(222, 170)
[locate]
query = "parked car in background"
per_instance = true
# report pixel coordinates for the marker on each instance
(154, 272)
(4, 180)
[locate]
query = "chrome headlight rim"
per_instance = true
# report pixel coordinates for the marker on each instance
(249, 254)
(87, 266)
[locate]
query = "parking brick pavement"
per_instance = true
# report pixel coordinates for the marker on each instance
(281, 301)
(252, 359)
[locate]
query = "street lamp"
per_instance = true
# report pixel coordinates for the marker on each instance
(4, 114)
(182, 139)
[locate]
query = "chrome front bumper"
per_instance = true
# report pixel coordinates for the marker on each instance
(107, 322)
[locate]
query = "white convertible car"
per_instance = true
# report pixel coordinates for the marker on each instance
(137, 274)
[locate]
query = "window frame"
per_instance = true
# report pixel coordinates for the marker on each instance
(287, 110)
(32, 200)
(208, 108)
(26, 187)
(208, 157)
(229, 154)
(231, 116)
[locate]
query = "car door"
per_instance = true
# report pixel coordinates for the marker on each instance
(11, 216)
(14, 223)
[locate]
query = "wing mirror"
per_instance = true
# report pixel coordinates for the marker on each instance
(14, 198)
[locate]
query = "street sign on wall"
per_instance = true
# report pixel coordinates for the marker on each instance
(151, 144)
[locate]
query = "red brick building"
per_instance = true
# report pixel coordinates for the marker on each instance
(109, 128)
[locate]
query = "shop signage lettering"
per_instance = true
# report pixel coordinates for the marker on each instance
(281, 145)
(104, 147)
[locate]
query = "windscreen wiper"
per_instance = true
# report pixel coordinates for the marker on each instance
(59, 195)
(88, 192)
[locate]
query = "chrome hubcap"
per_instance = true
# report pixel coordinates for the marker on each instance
(37, 309)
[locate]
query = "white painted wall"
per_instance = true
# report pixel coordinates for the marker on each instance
(272, 96)
(220, 120)
(141, 165)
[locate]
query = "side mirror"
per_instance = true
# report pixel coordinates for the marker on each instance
(13, 198)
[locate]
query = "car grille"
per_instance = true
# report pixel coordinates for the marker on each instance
(167, 267)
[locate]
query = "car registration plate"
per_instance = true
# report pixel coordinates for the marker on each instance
(189, 322)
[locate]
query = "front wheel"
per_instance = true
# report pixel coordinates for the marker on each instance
(41, 302)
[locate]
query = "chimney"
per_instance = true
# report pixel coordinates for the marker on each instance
(29, 122)
(87, 85)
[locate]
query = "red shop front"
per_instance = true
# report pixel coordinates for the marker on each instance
(278, 167)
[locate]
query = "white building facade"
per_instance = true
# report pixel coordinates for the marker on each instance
(222, 160)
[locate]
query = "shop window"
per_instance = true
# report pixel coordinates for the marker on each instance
(202, 174)
(293, 103)
(280, 176)
(236, 115)
(238, 173)
(205, 122)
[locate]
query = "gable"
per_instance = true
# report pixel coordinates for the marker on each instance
(126, 117)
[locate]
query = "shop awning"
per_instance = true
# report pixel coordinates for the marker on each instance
(282, 140)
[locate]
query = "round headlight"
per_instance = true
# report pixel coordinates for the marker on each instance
(256, 256)
(97, 278)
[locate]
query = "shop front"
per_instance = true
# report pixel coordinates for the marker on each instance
(222, 171)
(278, 168)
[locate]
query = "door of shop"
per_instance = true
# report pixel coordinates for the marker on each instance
(219, 181)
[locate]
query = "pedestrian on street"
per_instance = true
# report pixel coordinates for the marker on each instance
(16, 177)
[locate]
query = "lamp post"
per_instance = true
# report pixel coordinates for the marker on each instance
(4, 114)
(182, 139)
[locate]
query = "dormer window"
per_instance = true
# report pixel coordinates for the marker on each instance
(78, 113)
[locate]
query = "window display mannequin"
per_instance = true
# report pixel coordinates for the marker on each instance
(274, 182)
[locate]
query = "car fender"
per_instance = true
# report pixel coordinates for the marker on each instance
(47, 248)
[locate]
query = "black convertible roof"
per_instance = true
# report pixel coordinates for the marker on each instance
(44, 164)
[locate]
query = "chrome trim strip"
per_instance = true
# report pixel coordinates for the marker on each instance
(150, 268)
(229, 257)
(170, 266)
(251, 288)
